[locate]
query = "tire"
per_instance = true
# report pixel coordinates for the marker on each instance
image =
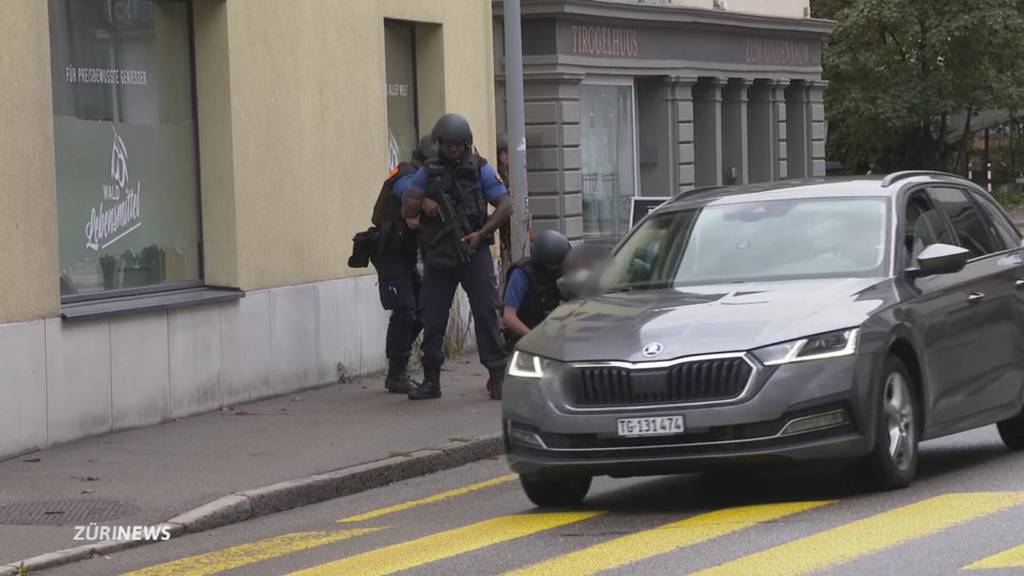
(1012, 432)
(555, 493)
(893, 461)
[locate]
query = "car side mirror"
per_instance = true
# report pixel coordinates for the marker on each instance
(940, 259)
(582, 269)
(578, 284)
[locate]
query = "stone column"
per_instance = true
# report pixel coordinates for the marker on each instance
(798, 139)
(553, 156)
(763, 142)
(680, 101)
(707, 140)
(819, 127)
(777, 95)
(735, 159)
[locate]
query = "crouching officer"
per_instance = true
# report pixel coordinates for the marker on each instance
(395, 261)
(447, 201)
(531, 289)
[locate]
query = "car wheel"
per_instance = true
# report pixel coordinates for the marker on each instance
(1012, 432)
(893, 461)
(555, 493)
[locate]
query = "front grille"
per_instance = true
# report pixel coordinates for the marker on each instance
(700, 381)
(761, 435)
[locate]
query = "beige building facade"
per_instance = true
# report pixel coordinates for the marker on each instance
(181, 180)
(780, 8)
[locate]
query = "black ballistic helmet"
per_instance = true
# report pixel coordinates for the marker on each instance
(452, 128)
(502, 143)
(426, 148)
(549, 248)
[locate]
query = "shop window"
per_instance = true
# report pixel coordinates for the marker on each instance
(400, 64)
(609, 159)
(125, 136)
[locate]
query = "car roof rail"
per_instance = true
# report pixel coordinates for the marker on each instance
(697, 190)
(904, 174)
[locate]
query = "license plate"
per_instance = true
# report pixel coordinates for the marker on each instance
(651, 426)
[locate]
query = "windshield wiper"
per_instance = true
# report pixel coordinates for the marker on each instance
(652, 285)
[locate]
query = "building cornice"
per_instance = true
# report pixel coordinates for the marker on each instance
(624, 10)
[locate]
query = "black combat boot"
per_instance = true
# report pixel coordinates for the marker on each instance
(495, 382)
(431, 386)
(398, 380)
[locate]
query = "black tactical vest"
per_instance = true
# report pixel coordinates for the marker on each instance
(542, 295)
(455, 185)
(396, 238)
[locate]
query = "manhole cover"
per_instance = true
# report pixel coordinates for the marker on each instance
(64, 512)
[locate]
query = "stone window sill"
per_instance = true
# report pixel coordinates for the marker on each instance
(148, 302)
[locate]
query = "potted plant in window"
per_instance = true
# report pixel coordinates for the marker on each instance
(108, 266)
(154, 263)
(134, 273)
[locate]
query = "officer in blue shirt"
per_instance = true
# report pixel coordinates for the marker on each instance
(531, 289)
(446, 203)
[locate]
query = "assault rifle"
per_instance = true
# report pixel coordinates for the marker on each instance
(455, 226)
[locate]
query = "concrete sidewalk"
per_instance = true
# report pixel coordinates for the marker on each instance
(150, 475)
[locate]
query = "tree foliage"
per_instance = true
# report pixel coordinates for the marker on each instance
(899, 70)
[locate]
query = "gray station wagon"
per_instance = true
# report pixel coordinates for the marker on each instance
(776, 323)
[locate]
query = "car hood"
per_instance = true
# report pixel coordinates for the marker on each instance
(704, 319)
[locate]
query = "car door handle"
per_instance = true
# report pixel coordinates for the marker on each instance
(1019, 284)
(975, 297)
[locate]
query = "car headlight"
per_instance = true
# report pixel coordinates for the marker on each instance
(831, 345)
(525, 365)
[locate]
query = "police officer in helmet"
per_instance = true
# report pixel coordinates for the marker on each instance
(505, 232)
(531, 289)
(447, 202)
(395, 261)
(502, 151)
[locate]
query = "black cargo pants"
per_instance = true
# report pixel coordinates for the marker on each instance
(399, 284)
(478, 280)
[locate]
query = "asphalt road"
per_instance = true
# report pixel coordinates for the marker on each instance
(963, 515)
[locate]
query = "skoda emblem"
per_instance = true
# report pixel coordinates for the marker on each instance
(653, 349)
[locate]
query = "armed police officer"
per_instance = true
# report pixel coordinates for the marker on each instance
(395, 260)
(447, 202)
(505, 232)
(531, 289)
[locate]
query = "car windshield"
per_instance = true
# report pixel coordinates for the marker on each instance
(753, 241)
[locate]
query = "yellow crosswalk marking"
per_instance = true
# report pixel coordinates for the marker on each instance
(850, 541)
(244, 554)
(1012, 558)
(398, 557)
(666, 538)
(431, 499)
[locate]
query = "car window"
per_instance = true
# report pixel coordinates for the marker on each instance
(645, 256)
(967, 223)
(998, 223)
(785, 238)
(759, 240)
(923, 226)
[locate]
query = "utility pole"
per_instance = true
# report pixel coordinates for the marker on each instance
(516, 116)
(1013, 159)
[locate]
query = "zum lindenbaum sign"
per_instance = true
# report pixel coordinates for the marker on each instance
(120, 209)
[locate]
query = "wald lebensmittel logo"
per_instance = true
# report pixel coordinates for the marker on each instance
(120, 209)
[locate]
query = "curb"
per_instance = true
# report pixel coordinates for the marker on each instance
(248, 504)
